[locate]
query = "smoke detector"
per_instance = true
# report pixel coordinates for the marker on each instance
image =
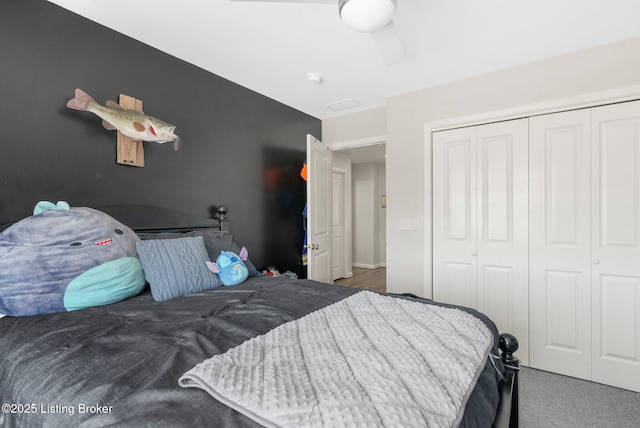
(314, 78)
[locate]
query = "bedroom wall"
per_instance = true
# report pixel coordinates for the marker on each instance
(355, 126)
(239, 148)
(607, 67)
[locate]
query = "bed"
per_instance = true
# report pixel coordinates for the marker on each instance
(143, 363)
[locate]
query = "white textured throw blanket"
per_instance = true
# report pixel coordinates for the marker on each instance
(368, 360)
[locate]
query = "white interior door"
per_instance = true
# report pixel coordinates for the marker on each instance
(319, 213)
(559, 239)
(454, 217)
(502, 227)
(480, 223)
(615, 249)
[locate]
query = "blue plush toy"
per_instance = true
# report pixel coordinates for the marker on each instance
(63, 259)
(230, 267)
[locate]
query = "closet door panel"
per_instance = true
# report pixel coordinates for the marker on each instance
(497, 298)
(457, 283)
(502, 159)
(616, 321)
(559, 243)
(454, 217)
(616, 244)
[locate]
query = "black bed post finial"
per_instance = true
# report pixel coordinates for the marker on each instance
(222, 217)
(509, 345)
(222, 212)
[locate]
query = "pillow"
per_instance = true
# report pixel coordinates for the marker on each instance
(64, 259)
(227, 242)
(215, 241)
(176, 267)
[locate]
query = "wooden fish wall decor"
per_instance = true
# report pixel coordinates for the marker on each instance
(132, 124)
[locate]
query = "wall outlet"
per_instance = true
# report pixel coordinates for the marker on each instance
(408, 224)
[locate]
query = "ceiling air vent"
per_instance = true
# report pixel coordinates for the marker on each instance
(343, 105)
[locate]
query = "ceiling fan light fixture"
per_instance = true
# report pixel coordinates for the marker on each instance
(366, 16)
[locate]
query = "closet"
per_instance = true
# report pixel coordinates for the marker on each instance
(536, 222)
(584, 236)
(480, 222)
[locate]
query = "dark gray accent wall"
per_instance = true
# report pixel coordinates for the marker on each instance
(239, 148)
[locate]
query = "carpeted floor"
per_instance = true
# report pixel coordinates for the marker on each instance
(549, 400)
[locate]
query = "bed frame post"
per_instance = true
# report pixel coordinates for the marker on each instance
(509, 345)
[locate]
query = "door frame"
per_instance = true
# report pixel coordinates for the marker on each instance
(353, 144)
(345, 220)
(592, 99)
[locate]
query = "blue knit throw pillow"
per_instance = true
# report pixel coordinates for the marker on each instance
(176, 267)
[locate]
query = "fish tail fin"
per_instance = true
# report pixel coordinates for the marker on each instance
(81, 101)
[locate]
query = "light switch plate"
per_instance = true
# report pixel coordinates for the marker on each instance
(408, 224)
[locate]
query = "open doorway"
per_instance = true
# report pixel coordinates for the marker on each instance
(359, 215)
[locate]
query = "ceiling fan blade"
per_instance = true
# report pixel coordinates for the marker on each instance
(386, 38)
(292, 1)
(389, 44)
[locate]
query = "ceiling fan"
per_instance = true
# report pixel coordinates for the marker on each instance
(366, 16)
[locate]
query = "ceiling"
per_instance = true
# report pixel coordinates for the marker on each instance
(270, 47)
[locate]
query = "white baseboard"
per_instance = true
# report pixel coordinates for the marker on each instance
(368, 266)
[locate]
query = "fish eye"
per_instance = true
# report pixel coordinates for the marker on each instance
(234, 259)
(119, 232)
(75, 244)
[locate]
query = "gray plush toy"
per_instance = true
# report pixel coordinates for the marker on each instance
(64, 259)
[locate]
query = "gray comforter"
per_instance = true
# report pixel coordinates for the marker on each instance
(119, 365)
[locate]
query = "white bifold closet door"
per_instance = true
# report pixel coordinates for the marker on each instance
(615, 244)
(585, 243)
(560, 243)
(480, 223)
